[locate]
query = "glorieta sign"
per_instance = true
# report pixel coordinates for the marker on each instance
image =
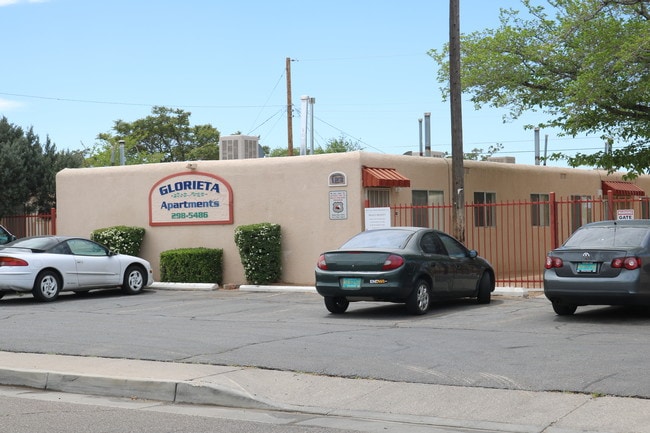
(190, 198)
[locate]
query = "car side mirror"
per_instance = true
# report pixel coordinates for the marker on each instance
(473, 254)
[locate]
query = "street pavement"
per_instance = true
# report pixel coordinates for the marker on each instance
(439, 407)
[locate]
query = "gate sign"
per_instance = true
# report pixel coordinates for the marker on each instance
(190, 198)
(625, 214)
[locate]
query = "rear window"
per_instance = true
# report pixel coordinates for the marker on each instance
(38, 243)
(607, 237)
(379, 239)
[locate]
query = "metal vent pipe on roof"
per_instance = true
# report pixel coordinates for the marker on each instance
(427, 134)
(420, 127)
(537, 146)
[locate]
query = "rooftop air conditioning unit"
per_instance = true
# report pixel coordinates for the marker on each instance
(239, 147)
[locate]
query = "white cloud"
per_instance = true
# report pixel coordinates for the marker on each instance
(6, 104)
(13, 2)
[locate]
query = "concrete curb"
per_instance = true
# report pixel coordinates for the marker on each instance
(122, 387)
(183, 286)
(499, 291)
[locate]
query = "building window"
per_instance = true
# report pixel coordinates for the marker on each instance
(581, 211)
(378, 197)
(484, 209)
(428, 209)
(539, 212)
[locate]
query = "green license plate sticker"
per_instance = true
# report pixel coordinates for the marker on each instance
(350, 283)
(587, 267)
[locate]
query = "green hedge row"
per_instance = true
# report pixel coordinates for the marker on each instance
(120, 239)
(259, 245)
(192, 265)
(260, 251)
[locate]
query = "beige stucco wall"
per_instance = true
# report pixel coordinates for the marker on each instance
(292, 192)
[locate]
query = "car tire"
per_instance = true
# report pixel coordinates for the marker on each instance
(420, 298)
(485, 286)
(336, 304)
(134, 280)
(562, 309)
(46, 286)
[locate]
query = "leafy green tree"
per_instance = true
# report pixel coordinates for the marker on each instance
(587, 68)
(164, 136)
(481, 155)
(339, 145)
(334, 145)
(28, 170)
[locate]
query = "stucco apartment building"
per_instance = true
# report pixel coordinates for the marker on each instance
(319, 200)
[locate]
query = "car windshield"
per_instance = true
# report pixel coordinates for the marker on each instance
(607, 237)
(379, 239)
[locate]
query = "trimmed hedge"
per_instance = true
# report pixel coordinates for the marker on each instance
(260, 252)
(120, 239)
(192, 265)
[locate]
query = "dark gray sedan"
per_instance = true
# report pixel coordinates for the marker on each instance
(410, 265)
(603, 263)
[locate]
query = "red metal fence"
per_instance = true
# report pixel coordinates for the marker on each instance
(31, 225)
(515, 236)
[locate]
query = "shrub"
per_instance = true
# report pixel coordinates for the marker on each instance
(260, 252)
(120, 239)
(192, 265)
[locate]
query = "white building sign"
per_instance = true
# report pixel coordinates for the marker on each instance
(625, 214)
(338, 205)
(190, 198)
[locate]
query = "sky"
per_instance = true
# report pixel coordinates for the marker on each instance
(72, 68)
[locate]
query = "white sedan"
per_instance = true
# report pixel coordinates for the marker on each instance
(48, 265)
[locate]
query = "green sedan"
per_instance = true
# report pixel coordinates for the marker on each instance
(409, 265)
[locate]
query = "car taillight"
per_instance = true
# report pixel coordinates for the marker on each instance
(392, 262)
(629, 263)
(322, 264)
(553, 262)
(12, 261)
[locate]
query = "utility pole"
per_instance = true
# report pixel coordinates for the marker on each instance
(289, 109)
(455, 92)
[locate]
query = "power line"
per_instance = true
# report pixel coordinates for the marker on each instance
(138, 104)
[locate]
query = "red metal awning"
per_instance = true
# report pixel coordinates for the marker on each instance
(619, 187)
(383, 177)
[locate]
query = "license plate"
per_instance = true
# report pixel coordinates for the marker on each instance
(350, 283)
(586, 267)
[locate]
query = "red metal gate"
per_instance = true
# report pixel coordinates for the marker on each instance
(515, 236)
(31, 225)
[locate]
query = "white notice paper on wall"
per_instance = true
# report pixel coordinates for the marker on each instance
(377, 218)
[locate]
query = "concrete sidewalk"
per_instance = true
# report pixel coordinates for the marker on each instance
(430, 405)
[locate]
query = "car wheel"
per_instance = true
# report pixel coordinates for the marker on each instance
(47, 286)
(562, 309)
(134, 280)
(420, 298)
(336, 305)
(484, 289)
